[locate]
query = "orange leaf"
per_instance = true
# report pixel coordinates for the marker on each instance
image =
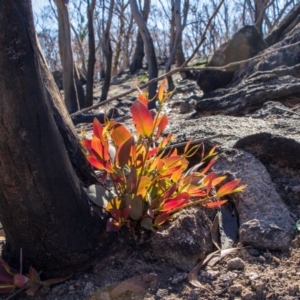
(209, 165)
(239, 189)
(97, 129)
(120, 134)
(143, 99)
(228, 187)
(209, 178)
(100, 149)
(100, 165)
(212, 151)
(161, 90)
(123, 153)
(142, 119)
(162, 123)
(214, 204)
(187, 145)
(218, 180)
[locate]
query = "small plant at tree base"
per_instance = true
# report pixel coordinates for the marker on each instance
(13, 281)
(150, 181)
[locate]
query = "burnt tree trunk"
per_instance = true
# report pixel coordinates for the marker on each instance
(139, 52)
(138, 56)
(150, 51)
(107, 52)
(66, 56)
(92, 55)
(109, 56)
(43, 207)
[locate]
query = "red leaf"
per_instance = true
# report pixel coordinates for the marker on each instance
(7, 268)
(209, 178)
(142, 119)
(209, 165)
(177, 202)
(4, 276)
(97, 129)
(57, 280)
(20, 280)
(86, 143)
(34, 275)
(214, 204)
(228, 187)
(162, 123)
(100, 165)
(152, 152)
(170, 191)
(160, 219)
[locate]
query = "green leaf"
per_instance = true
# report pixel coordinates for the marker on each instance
(99, 195)
(147, 223)
(136, 206)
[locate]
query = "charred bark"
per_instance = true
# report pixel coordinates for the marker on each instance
(92, 55)
(43, 207)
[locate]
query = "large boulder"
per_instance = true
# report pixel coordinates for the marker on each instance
(246, 43)
(265, 221)
(185, 240)
(271, 76)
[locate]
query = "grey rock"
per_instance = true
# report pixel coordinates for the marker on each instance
(124, 103)
(71, 287)
(178, 278)
(228, 277)
(247, 295)
(244, 44)
(161, 293)
(294, 290)
(253, 252)
(264, 78)
(267, 255)
(186, 88)
(252, 276)
(104, 296)
(265, 221)
(258, 286)
(296, 189)
(209, 274)
(261, 259)
(88, 288)
(184, 240)
(186, 107)
(235, 288)
(235, 264)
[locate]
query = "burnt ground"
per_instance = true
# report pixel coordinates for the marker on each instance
(258, 274)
